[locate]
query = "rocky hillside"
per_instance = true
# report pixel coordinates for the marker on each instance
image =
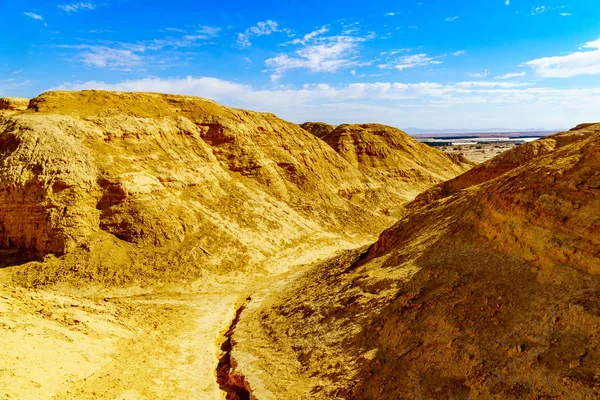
(508, 161)
(319, 129)
(137, 186)
(492, 292)
(389, 155)
(13, 103)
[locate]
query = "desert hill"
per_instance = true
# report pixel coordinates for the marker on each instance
(131, 187)
(508, 161)
(492, 292)
(13, 103)
(391, 156)
(319, 129)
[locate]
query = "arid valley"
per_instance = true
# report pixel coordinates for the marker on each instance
(300, 200)
(175, 248)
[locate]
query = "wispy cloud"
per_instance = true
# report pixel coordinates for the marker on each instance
(546, 9)
(106, 57)
(126, 56)
(34, 16)
(510, 75)
(538, 10)
(311, 35)
(260, 29)
(452, 19)
(507, 2)
(390, 14)
(323, 54)
(413, 60)
(482, 74)
(410, 61)
(577, 63)
(76, 7)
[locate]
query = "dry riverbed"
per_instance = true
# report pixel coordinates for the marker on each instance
(126, 345)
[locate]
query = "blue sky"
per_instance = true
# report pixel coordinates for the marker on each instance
(435, 64)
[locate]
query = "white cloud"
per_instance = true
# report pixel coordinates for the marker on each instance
(320, 53)
(76, 7)
(458, 53)
(210, 31)
(414, 61)
(324, 54)
(425, 104)
(577, 63)
(311, 35)
(106, 57)
(487, 84)
(390, 14)
(507, 2)
(510, 75)
(125, 56)
(565, 14)
(262, 28)
(452, 19)
(480, 74)
(34, 16)
(538, 10)
(411, 61)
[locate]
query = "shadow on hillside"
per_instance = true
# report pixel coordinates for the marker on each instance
(16, 257)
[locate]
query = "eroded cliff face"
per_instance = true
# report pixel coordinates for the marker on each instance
(171, 183)
(48, 185)
(489, 292)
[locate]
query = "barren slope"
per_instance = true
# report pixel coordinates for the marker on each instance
(13, 103)
(508, 161)
(388, 155)
(493, 292)
(319, 129)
